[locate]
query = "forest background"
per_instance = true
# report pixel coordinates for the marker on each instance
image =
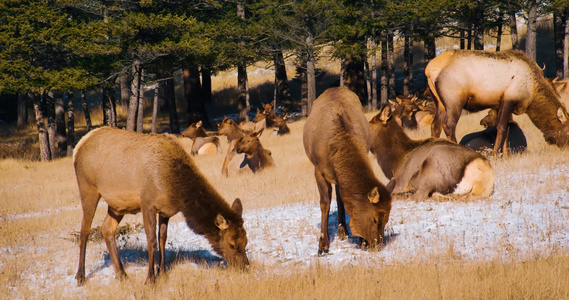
(61, 54)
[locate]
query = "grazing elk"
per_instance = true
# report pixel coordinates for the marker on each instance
(509, 82)
(154, 175)
(427, 166)
(483, 141)
(202, 143)
(234, 163)
(256, 157)
(280, 126)
(336, 139)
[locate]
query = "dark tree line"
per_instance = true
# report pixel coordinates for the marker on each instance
(51, 49)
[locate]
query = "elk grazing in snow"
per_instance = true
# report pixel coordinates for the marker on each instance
(509, 82)
(336, 139)
(152, 174)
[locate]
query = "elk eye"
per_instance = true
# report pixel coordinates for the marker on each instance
(374, 221)
(232, 246)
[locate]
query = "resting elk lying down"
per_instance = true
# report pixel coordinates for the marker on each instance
(509, 82)
(427, 166)
(256, 157)
(404, 110)
(202, 143)
(154, 175)
(280, 126)
(484, 140)
(336, 139)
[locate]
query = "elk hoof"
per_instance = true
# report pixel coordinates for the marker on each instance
(342, 233)
(322, 252)
(80, 279)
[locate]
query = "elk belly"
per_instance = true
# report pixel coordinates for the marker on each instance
(477, 181)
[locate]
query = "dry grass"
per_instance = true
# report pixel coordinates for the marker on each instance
(40, 212)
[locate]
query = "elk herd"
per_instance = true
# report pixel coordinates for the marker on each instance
(161, 179)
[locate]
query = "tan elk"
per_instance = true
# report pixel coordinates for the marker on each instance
(427, 166)
(336, 139)
(234, 163)
(404, 110)
(509, 82)
(256, 157)
(154, 175)
(280, 126)
(202, 143)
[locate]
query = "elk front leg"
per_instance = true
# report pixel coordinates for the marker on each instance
(342, 232)
(504, 115)
(325, 190)
(89, 200)
(149, 219)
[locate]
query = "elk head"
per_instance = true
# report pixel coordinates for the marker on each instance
(370, 220)
(232, 238)
(249, 143)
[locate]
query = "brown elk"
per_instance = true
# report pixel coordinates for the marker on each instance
(336, 139)
(256, 157)
(154, 175)
(427, 166)
(483, 141)
(201, 142)
(509, 82)
(404, 110)
(234, 163)
(281, 128)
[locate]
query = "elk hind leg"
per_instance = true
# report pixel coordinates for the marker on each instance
(89, 200)
(162, 236)
(325, 190)
(109, 229)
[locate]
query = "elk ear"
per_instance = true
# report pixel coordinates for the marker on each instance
(258, 133)
(237, 206)
(562, 115)
(373, 195)
(391, 186)
(415, 96)
(220, 222)
(284, 116)
(199, 124)
(385, 114)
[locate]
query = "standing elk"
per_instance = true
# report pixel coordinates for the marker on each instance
(426, 166)
(509, 82)
(483, 141)
(336, 139)
(234, 163)
(154, 175)
(201, 142)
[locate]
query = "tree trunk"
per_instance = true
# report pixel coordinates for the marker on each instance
(354, 76)
(155, 107)
(383, 79)
(60, 129)
(170, 96)
(531, 38)
(566, 47)
(45, 153)
(391, 63)
(70, 124)
(86, 110)
(513, 25)
(310, 82)
(559, 37)
(499, 34)
(140, 111)
(125, 92)
(411, 61)
(282, 90)
(193, 93)
(22, 110)
(243, 105)
(479, 25)
(49, 112)
(109, 106)
(301, 70)
(206, 85)
(373, 75)
(134, 97)
(462, 39)
(407, 51)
